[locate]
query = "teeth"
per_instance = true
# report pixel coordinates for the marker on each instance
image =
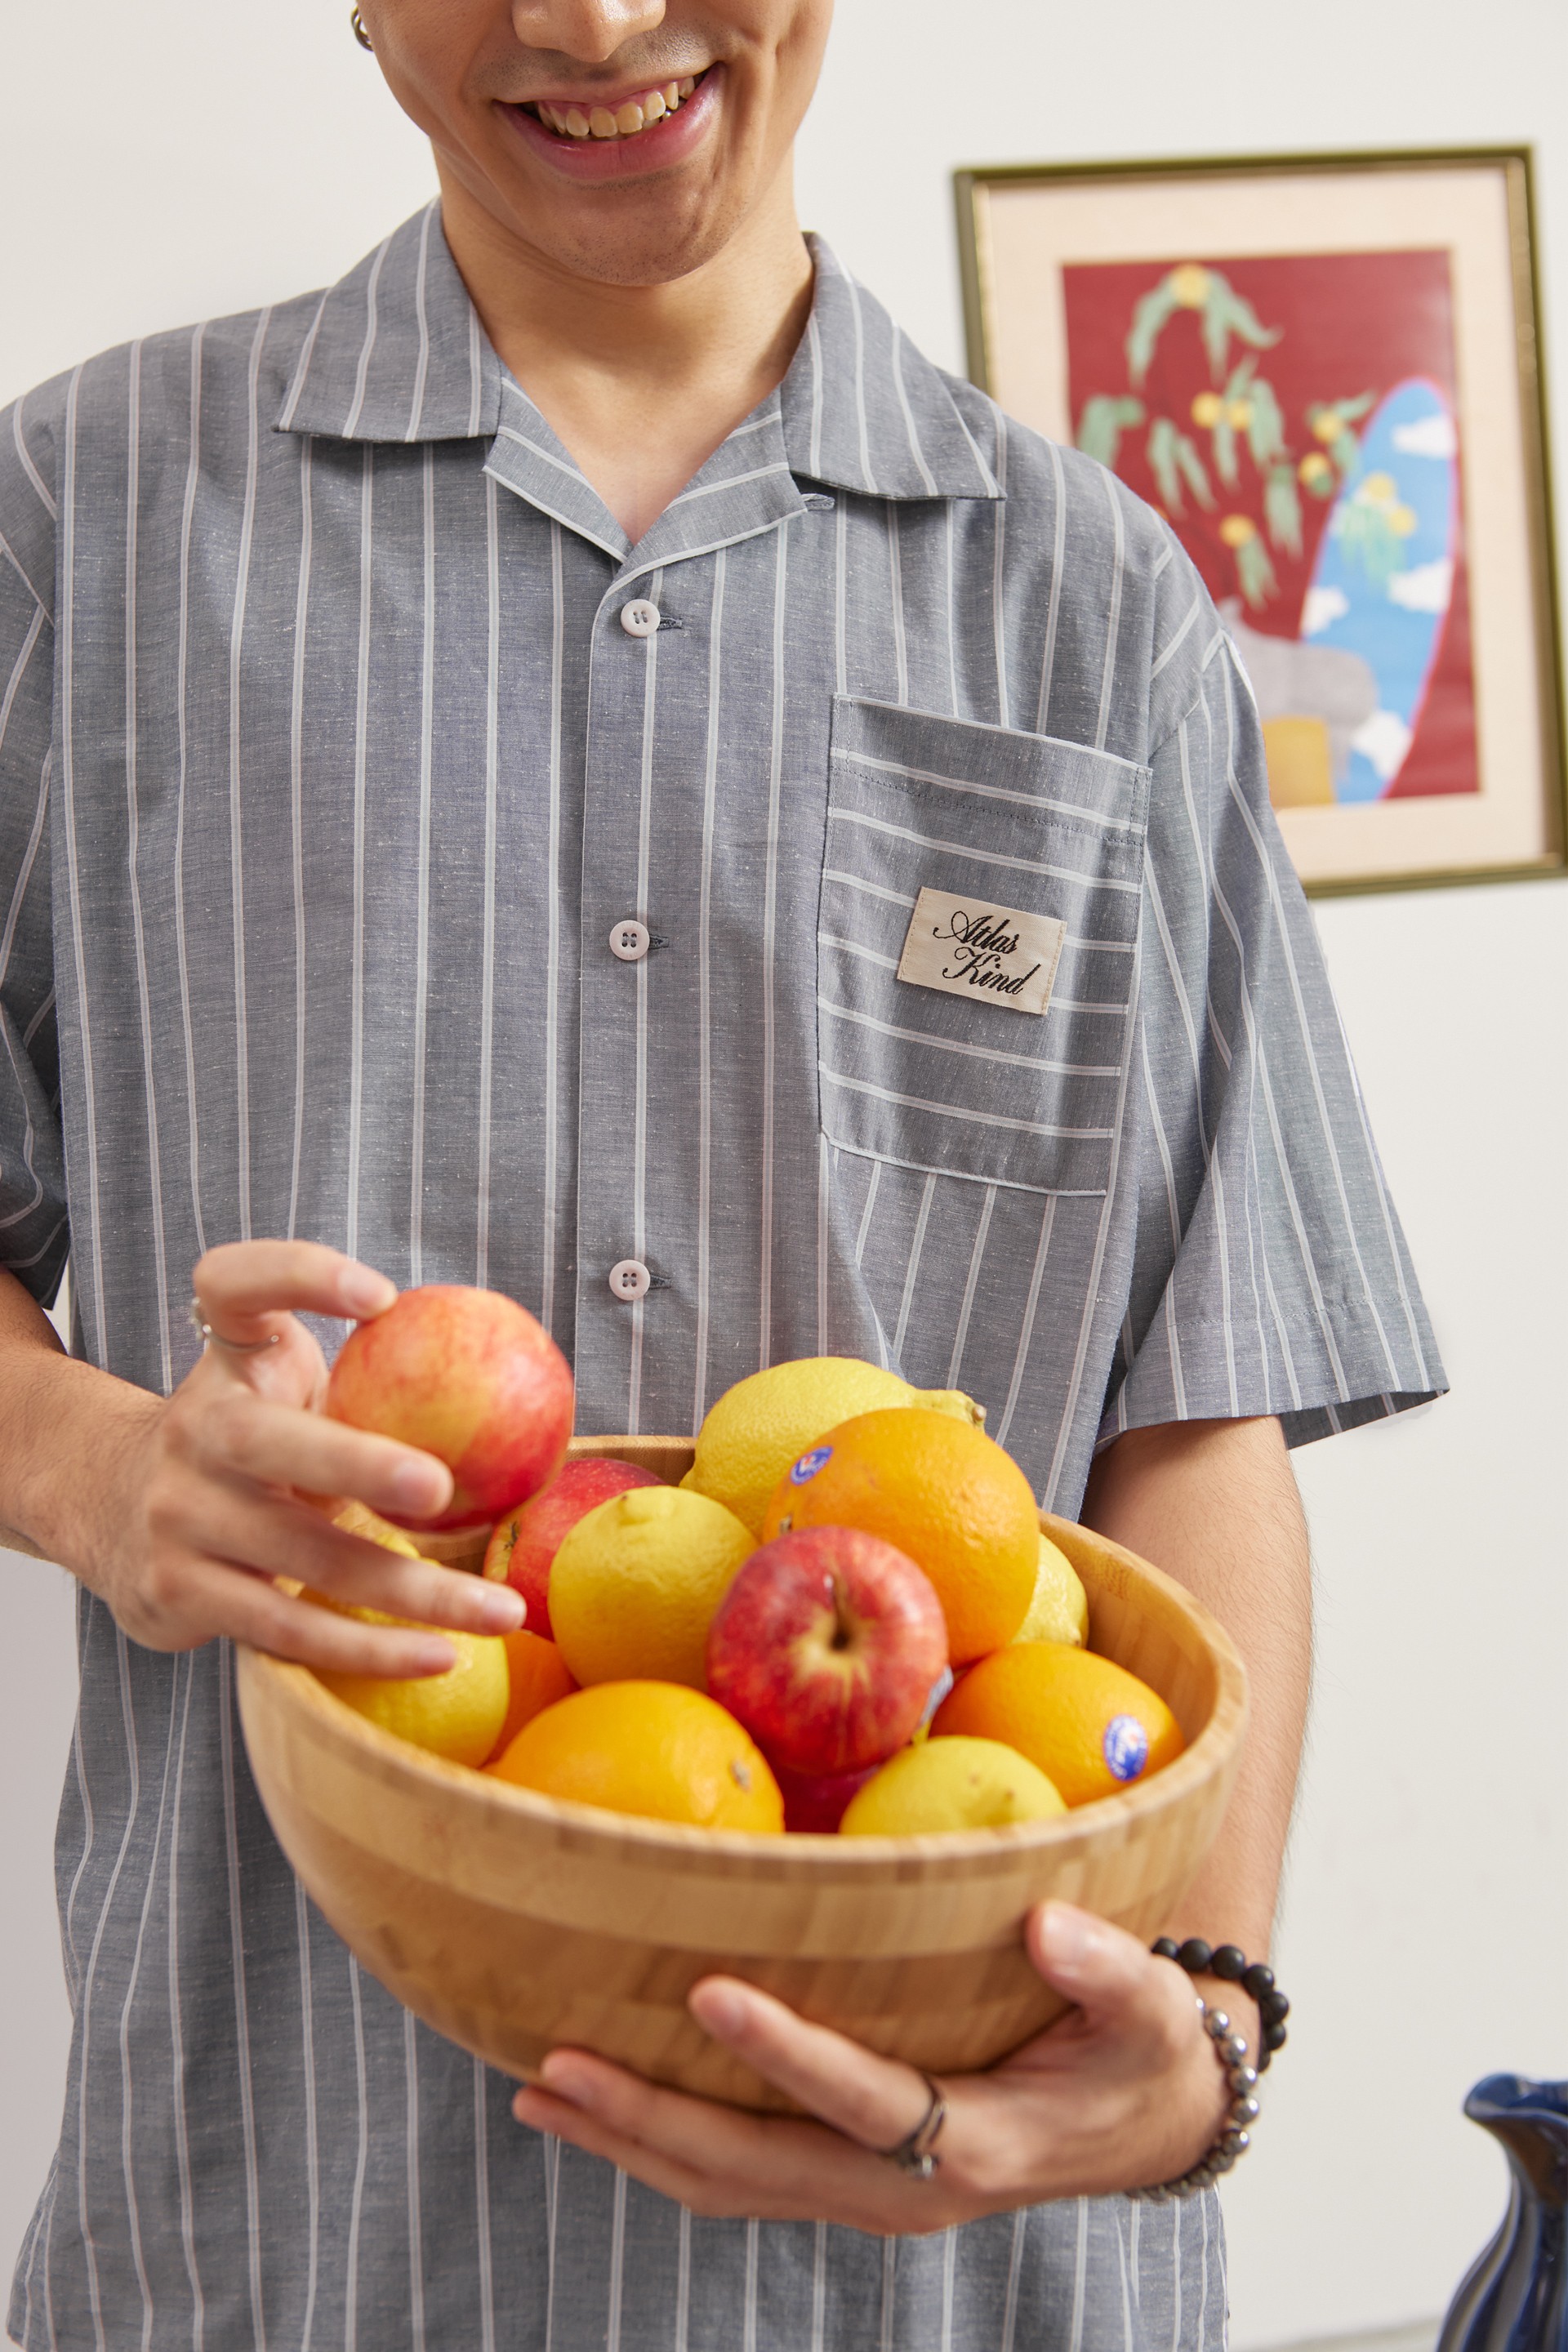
(633, 115)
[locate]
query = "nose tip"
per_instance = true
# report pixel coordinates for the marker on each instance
(589, 30)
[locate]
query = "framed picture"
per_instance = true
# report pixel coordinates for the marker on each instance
(1324, 371)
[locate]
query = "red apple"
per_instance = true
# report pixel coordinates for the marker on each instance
(818, 1804)
(525, 1542)
(465, 1375)
(826, 1647)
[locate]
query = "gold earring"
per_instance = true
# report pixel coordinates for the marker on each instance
(361, 36)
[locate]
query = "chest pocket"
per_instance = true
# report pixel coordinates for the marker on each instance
(949, 1078)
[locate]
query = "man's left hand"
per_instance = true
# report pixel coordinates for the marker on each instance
(1122, 2092)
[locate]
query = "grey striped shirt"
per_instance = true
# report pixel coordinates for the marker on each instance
(327, 766)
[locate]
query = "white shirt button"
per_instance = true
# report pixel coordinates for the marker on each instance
(639, 618)
(630, 1278)
(629, 940)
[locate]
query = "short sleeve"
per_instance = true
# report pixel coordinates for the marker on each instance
(1270, 1274)
(34, 1231)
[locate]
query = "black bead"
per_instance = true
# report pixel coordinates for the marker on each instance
(1163, 1948)
(1257, 1980)
(1275, 2037)
(1274, 2007)
(1229, 1962)
(1194, 1955)
(1264, 2060)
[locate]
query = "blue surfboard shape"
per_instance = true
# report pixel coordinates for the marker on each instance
(1383, 579)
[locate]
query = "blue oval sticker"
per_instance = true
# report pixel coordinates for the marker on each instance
(807, 1468)
(1125, 1747)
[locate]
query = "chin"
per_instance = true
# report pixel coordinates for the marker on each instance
(615, 247)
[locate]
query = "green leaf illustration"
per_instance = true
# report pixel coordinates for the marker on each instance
(1282, 509)
(1255, 573)
(1223, 441)
(1147, 320)
(1192, 468)
(1229, 313)
(1104, 420)
(1264, 425)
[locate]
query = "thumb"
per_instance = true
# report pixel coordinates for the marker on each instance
(1113, 1979)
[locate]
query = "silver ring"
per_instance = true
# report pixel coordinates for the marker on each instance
(215, 1338)
(915, 2153)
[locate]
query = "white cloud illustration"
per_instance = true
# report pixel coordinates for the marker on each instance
(1322, 606)
(1384, 741)
(1428, 437)
(1425, 588)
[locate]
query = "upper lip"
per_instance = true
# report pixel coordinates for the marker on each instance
(612, 94)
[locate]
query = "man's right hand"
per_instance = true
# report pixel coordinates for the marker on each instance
(192, 1506)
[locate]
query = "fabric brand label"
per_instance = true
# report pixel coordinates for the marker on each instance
(994, 954)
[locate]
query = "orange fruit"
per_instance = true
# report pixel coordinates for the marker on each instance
(540, 1676)
(942, 1492)
(1089, 1725)
(660, 1749)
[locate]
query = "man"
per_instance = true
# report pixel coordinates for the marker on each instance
(474, 746)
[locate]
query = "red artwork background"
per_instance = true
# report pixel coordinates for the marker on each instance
(1351, 323)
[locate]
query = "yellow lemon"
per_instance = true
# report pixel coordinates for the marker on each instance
(359, 1520)
(635, 1584)
(457, 1715)
(951, 1784)
(651, 1747)
(1059, 1610)
(1088, 1724)
(762, 1424)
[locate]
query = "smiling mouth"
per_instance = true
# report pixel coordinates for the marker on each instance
(574, 119)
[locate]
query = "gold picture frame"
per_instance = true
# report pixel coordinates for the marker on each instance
(1326, 370)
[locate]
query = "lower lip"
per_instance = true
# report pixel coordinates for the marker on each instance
(599, 160)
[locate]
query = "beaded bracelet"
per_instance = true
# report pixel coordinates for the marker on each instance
(1231, 1965)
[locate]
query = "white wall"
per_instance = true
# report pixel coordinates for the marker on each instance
(180, 158)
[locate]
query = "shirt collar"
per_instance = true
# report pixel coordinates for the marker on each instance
(395, 352)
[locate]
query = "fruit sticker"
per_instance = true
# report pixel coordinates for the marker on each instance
(807, 1468)
(1125, 1747)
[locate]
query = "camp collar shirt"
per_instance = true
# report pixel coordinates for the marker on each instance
(392, 855)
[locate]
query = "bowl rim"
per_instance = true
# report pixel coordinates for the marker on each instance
(806, 1854)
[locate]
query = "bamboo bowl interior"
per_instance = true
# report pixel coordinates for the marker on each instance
(514, 1923)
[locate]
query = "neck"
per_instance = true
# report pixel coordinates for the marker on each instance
(641, 384)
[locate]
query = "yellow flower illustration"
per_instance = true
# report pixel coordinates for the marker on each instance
(1190, 286)
(1378, 490)
(1239, 414)
(1207, 410)
(1402, 520)
(1314, 469)
(1237, 530)
(1326, 425)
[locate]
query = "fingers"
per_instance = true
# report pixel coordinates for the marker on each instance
(246, 1286)
(244, 1435)
(256, 1613)
(1127, 1997)
(266, 1536)
(719, 2161)
(872, 2099)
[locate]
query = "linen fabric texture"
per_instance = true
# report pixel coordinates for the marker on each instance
(326, 769)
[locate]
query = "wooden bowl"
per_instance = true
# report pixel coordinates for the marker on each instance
(514, 1923)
